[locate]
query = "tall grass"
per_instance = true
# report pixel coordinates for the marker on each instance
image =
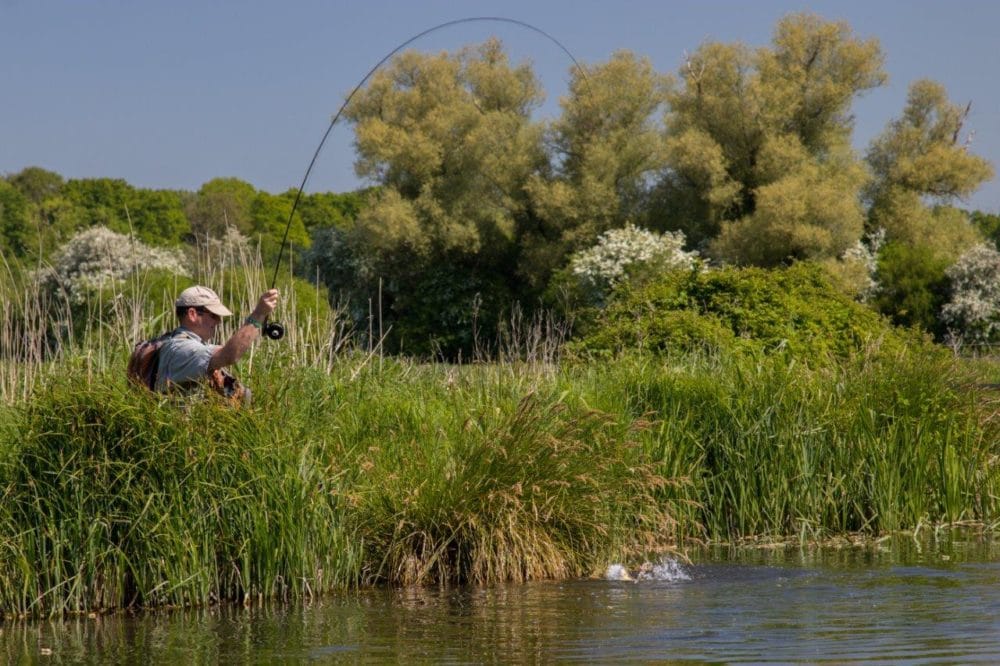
(112, 498)
(875, 443)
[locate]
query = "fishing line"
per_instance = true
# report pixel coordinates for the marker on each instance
(276, 331)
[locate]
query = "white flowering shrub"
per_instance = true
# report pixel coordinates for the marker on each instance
(621, 253)
(861, 259)
(98, 257)
(232, 248)
(973, 313)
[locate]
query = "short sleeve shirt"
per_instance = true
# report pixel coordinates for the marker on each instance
(184, 360)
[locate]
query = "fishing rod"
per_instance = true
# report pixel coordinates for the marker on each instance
(276, 331)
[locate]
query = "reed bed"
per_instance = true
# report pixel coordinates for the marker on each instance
(871, 444)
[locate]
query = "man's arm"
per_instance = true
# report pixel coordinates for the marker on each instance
(239, 343)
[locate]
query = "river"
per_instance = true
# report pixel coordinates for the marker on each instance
(901, 601)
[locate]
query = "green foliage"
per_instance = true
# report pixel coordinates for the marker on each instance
(606, 149)
(759, 144)
(988, 225)
(740, 309)
(321, 210)
(13, 219)
(37, 184)
(221, 203)
(154, 216)
(451, 312)
(919, 157)
(912, 286)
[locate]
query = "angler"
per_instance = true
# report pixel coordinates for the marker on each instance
(186, 357)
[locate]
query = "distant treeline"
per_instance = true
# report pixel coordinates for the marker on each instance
(40, 211)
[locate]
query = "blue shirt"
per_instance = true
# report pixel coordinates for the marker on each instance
(184, 360)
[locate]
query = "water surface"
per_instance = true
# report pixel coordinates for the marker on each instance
(896, 602)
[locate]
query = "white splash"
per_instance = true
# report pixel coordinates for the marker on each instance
(667, 569)
(617, 572)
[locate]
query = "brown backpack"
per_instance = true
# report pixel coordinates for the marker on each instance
(144, 363)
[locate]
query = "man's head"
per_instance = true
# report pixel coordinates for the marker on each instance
(200, 310)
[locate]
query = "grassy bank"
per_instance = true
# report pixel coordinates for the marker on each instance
(369, 470)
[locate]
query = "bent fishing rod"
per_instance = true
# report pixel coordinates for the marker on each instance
(276, 331)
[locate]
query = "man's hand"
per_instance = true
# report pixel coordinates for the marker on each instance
(237, 345)
(265, 305)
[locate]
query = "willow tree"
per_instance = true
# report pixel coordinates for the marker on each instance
(760, 166)
(605, 148)
(922, 164)
(449, 139)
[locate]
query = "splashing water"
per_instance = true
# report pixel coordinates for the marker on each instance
(617, 572)
(667, 569)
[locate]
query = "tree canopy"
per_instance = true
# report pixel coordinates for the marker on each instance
(760, 165)
(921, 165)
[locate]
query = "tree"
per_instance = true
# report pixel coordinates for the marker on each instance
(606, 149)
(157, 217)
(913, 285)
(758, 144)
(920, 167)
(450, 142)
(13, 219)
(268, 215)
(48, 219)
(154, 216)
(37, 184)
(449, 139)
(219, 204)
(988, 225)
(329, 209)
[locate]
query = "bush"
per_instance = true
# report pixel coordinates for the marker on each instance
(750, 309)
(98, 257)
(912, 286)
(631, 255)
(973, 313)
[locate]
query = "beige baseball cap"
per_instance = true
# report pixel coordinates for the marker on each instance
(202, 297)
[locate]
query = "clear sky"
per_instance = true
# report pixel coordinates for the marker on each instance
(172, 93)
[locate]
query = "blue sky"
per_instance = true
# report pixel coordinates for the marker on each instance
(173, 93)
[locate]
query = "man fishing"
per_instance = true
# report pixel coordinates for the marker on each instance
(187, 357)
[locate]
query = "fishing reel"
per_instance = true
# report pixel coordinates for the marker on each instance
(274, 330)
